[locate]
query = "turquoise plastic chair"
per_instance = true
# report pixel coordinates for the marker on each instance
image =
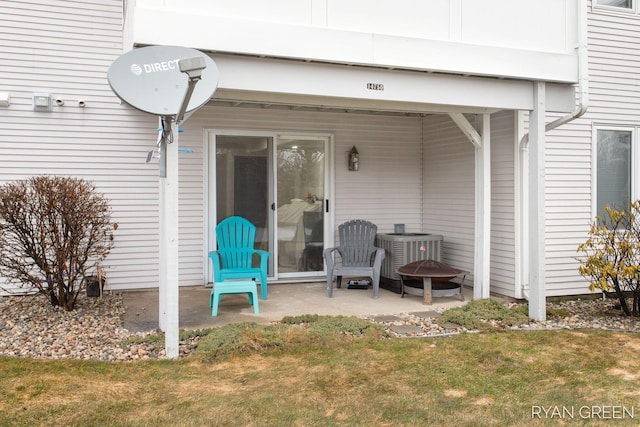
(235, 255)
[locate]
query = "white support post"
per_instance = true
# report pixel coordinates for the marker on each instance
(168, 291)
(537, 295)
(482, 247)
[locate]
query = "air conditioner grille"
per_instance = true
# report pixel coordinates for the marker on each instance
(401, 249)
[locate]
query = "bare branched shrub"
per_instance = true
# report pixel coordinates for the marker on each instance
(53, 233)
(610, 258)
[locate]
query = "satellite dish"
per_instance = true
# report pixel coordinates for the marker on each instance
(149, 79)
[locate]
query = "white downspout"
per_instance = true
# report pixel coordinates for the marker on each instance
(583, 76)
(583, 72)
(582, 102)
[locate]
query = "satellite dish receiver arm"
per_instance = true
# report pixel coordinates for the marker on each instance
(192, 67)
(165, 137)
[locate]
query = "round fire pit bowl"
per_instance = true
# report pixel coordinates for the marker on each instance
(434, 276)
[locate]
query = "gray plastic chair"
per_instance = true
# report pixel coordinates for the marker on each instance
(358, 255)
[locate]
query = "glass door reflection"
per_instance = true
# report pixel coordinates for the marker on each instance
(300, 189)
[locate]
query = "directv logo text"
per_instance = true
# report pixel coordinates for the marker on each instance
(154, 67)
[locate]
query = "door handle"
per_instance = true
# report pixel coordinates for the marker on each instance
(327, 205)
(273, 206)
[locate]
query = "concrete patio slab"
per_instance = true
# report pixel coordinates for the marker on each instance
(288, 299)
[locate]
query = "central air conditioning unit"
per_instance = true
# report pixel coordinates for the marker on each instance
(403, 248)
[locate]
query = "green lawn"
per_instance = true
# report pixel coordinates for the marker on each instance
(315, 379)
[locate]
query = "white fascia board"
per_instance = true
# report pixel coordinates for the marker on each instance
(231, 35)
(479, 60)
(339, 85)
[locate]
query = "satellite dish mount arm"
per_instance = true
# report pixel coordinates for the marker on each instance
(192, 67)
(166, 137)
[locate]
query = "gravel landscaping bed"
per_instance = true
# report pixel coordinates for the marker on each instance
(582, 314)
(589, 314)
(29, 328)
(94, 330)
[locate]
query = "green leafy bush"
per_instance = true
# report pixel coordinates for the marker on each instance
(610, 257)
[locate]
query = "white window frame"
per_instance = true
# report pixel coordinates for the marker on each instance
(635, 162)
(606, 7)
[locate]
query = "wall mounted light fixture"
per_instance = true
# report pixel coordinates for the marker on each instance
(354, 160)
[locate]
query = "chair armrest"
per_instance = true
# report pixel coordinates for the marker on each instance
(264, 257)
(261, 253)
(328, 258)
(215, 259)
(377, 261)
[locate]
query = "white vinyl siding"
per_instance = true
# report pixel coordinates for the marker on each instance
(614, 64)
(614, 67)
(449, 196)
(614, 91)
(568, 200)
(449, 189)
(64, 48)
(503, 243)
(567, 205)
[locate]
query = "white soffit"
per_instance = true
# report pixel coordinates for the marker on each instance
(295, 82)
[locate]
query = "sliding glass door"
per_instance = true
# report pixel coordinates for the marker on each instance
(301, 195)
(279, 183)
